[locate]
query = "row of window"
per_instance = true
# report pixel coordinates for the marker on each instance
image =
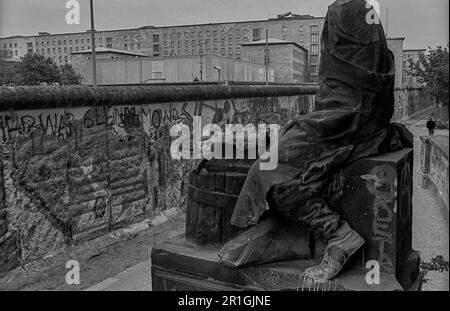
(214, 51)
(126, 38)
(208, 33)
(314, 59)
(61, 50)
(256, 33)
(9, 53)
(10, 45)
(313, 28)
(61, 42)
(70, 42)
(314, 69)
(130, 46)
(200, 42)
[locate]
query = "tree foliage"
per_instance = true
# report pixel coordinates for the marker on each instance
(36, 69)
(432, 70)
(69, 76)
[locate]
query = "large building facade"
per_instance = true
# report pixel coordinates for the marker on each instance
(125, 67)
(224, 39)
(288, 59)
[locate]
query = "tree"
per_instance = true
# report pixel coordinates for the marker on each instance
(69, 76)
(432, 70)
(36, 69)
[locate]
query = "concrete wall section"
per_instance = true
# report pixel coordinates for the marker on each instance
(396, 46)
(410, 101)
(70, 174)
(435, 169)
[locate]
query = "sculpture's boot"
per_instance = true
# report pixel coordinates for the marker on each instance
(342, 241)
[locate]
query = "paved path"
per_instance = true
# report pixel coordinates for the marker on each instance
(137, 278)
(430, 232)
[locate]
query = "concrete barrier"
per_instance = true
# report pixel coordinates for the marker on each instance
(435, 170)
(78, 162)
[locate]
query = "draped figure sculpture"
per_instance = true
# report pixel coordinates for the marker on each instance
(353, 109)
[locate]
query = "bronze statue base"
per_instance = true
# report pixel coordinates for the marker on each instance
(179, 265)
(374, 195)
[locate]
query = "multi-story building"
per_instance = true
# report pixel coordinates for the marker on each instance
(395, 44)
(224, 39)
(410, 56)
(126, 67)
(288, 59)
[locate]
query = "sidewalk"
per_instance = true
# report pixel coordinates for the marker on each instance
(430, 230)
(124, 260)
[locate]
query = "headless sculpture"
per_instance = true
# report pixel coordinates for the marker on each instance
(354, 107)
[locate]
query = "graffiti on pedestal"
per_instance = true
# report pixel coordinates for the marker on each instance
(382, 183)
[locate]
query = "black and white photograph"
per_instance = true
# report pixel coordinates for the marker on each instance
(228, 151)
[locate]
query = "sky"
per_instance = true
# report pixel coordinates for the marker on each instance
(423, 23)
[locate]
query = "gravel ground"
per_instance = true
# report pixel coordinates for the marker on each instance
(98, 260)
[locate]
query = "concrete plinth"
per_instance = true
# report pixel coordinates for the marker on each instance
(374, 195)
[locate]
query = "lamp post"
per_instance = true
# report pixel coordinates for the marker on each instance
(267, 57)
(94, 62)
(219, 71)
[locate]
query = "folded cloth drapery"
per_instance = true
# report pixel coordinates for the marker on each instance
(353, 109)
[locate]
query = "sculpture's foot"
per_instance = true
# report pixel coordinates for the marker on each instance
(341, 247)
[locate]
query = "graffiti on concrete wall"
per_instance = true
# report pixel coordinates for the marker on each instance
(382, 183)
(439, 171)
(410, 101)
(74, 174)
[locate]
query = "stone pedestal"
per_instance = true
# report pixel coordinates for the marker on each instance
(374, 195)
(180, 265)
(376, 200)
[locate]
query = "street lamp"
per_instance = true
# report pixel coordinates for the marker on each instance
(219, 70)
(267, 57)
(94, 62)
